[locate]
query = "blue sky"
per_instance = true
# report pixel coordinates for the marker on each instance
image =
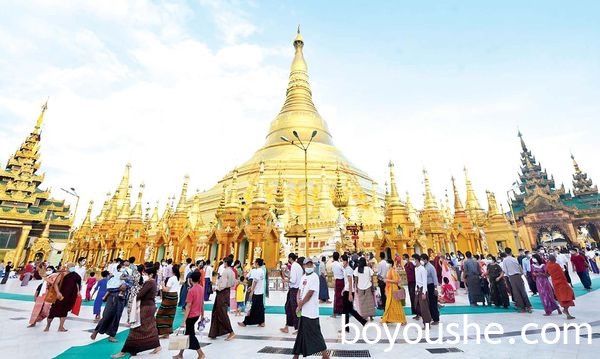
(435, 84)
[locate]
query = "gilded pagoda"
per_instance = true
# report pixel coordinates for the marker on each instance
(547, 215)
(258, 208)
(33, 225)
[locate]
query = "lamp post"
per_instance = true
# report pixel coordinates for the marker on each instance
(304, 148)
(73, 193)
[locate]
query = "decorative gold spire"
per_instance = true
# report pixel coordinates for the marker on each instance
(181, 205)
(154, 218)
(123, 188)
(409, 205)
(87, 221)
(280, 207)
(476, 212)
(40, 120)
(105, 209)
(298, 111)
(136, 213)
(46, 231)
(394, 198)
(340, 197)
(113, 210)
(458, 207)
(472, 201)
(259, 195)
(492, 204)
(429, 200)
(233, 192)
(125, 212)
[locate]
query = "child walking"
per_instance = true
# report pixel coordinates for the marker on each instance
(240, 297)
(89, 285)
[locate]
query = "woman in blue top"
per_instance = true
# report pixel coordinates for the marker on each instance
(101, 289)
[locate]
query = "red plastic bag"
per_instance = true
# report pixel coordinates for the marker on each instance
(77, 305)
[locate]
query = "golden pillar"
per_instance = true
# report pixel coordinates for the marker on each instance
(21, 244)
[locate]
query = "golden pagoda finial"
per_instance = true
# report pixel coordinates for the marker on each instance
(123, 188)
(136, 213)
(87, 221)
(340, 197)
(125, 211)
(223, 201)
(394, 198)
(183, 197)
(409, 205)
(458, 206)
(492, 204)
(260, 196)
(280, 197)
(472, 202)
(154, 217)
(429, 200)
(233, 192)
(40, 120)
(298, 110)
(46, 231)
(113, 211)
(105, 209)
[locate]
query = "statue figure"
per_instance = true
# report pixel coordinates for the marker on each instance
(257, 252)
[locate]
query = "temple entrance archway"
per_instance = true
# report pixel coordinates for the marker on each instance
(388, 253)
(213, 252)
(552, 236)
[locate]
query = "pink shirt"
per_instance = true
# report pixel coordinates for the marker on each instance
(195, 300)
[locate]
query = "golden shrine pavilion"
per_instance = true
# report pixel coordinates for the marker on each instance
(258, 209)
(32, 224)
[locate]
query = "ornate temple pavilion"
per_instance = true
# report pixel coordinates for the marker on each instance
(32, 224)
(547, 215)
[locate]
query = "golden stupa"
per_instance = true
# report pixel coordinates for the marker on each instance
(258, 208)
(283, 162)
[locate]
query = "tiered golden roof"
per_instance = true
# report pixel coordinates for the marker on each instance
(27, 212)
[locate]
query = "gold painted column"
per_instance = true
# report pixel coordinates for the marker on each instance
(236, 249)
(21, 245)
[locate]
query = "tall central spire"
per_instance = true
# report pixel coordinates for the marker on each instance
(298, 112)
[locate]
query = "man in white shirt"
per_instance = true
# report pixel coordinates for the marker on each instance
(309, 339)
(256, 315)
(80, 268)
(421, 292)
(338, 276)
(186, 270)
(208, 273)
(382, 269)
(291, 303)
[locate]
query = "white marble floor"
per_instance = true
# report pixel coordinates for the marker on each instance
(17, 341)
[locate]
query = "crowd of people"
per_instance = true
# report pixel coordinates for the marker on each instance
(361, 284)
